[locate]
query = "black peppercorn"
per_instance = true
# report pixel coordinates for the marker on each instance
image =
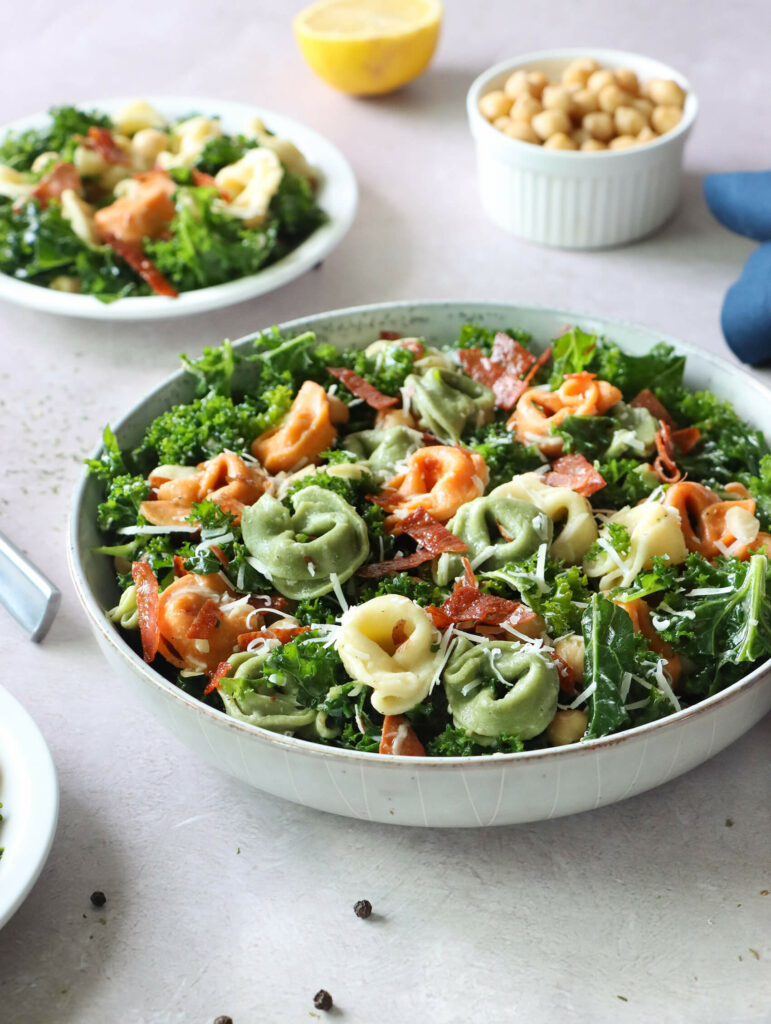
(98, 898)
(362, 908)
(322, 1000)
(224, 1020)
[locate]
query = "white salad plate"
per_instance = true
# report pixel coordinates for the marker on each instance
(337, 195)
(29, 793)
(439, 792)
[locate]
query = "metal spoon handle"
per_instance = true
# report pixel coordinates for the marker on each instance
(29, 596)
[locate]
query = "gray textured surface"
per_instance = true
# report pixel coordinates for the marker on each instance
(656, 900)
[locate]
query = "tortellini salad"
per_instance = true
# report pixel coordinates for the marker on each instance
(138, 203)
(422, 548)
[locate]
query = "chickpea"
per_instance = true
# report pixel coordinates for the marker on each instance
(537, 81)
(580, 136)
(146, 145)
(622, 142)
(664, 119)
(62, 283)
(501, 122)
(611, 96)
(525, 108)
(579, 70)
(644, 106)
(555, 97)
(495, 104)
(559, 141)
(628, 121)
(628, 81)
(665, 93)
(521, 130)
(550, 122)
(647, 134)
(599, 79)
(584, 102)
(571, 649)
(599, 125)
(567, 727)
(592, 145)
(517, 83)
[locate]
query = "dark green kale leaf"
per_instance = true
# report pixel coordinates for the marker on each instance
(627, 482)
(729, 450)
(610, 651)
(617, 535)
(218, 528)
(344, 711)
(660, 577)
(572, 352)
(295, 212)
(759, 487)
(560, 600)
(587, 435)
(308, 664)
(504, 456)
(20, 149)
(422, 592)
(458, 743)
(224, 150)
(125, 491)
(660, 370)
(387, 369)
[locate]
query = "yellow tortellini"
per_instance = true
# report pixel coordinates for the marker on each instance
(391, 644)
(188, 140)
(501, 688)
(561, 505)
(251, 183)
(654, 529)
(136, 115)
(15, 184)
(289, 155)
(80, 216)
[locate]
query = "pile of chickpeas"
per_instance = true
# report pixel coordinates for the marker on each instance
(590, 108)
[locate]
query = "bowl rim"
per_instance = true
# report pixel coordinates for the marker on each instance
(115, 640)
(612, 57)
(337, 184)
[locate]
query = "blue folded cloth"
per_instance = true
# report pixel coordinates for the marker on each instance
(742, 203)
(746, 314)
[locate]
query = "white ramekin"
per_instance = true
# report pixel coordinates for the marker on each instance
(578, 200)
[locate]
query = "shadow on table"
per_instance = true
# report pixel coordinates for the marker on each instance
(55, 952)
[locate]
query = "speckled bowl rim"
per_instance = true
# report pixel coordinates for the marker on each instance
(100, 621)
(479, 87)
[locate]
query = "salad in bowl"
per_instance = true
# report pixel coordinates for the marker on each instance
(143, 201)
(442, 550)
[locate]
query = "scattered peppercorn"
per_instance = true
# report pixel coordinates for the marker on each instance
(362, 908)
(98, 898)
(322, 1000)
(224, 1020)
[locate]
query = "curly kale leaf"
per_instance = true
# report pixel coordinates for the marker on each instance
(729, 450)
(295, 212)
(560, 596)
(422, 592)
(20, 149)
(125, 492)
(572, 352)
(344, 712)
(759, 487)
(387, 369)
(660, 370)
(218, 529)
(224, 150)
(504, 456)
(660, 577)
(307, 664)
(476, 336)
(587, 435)
(627, 482)
(187, 434)
(458, 743)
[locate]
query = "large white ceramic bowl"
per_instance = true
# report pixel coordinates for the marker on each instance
(578, 200)
(496, 790)
(29, 793)
(337, 195)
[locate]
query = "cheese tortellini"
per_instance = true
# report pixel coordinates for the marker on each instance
(391, 644)
(136, 115)
(654, 529)
(250, 697)
(446, 403)
(497, 529)
(15, 184)
(80, 216)
(383, 450)
(302, 550)
(500, 688)
(289, 155)
(188, 140)
(250, 183)
(561, 505)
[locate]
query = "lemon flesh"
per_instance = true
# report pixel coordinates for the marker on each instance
(367, 47)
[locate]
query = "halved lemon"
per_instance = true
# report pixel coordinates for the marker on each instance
(366, 47)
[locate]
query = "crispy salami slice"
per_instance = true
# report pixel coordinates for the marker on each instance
(214, 680)
(575, 472)
(647, 400)
(430, 533)
(59, 178)
(394, 565)
(686, 439)
(205, 622)
(362, 388)
(665, 465)
(136, 259)
(399, 738)
(102, 140)
(147, 608)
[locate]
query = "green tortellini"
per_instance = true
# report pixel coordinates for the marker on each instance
(500, 688)
(446, 403)
(506, 528)
(384, 449)
(125, 613)
(301, 550)
(248, 696)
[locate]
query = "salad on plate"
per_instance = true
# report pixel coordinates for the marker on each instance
(435, 549)
(135, 203)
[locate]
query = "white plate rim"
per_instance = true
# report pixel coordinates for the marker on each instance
(758, 675)
(27, 771)
(337, 195)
